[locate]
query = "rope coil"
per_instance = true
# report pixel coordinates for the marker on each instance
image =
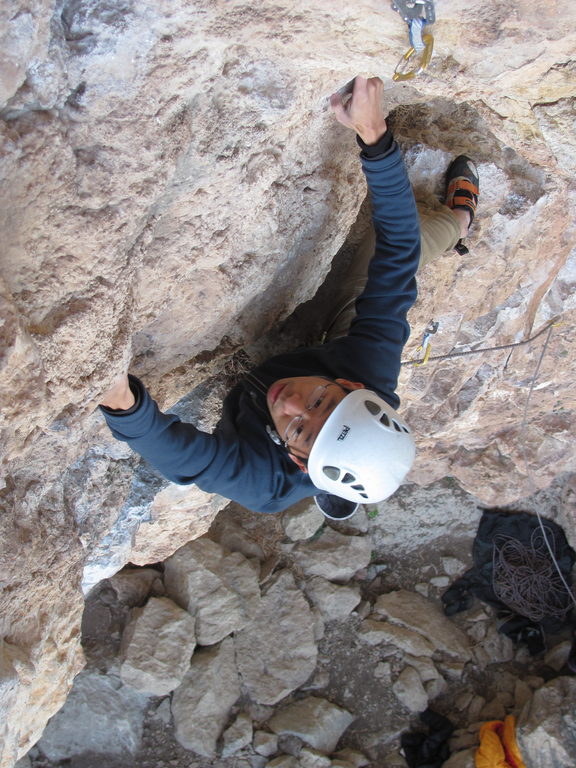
(526, 579)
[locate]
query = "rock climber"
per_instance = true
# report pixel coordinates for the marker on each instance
(321, 421)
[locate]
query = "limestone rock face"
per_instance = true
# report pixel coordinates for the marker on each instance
(174, 185)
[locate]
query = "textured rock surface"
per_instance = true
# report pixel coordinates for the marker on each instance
(265, 743)
(200, 706)
(218, 588)
(414, 612)
(333, 601)
(333, 555)
(237, 736)
(170, 170)
(311, 758)
(409, 641)
(157, 646)
(546, 728)
(409, 690)
(315, 721)
(303, 522)
(100, 715)
(276, 651)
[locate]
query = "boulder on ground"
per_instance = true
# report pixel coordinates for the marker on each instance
(265, 743)
(311, 758)
(276, 652)
(202, 703)
(237, 736)
(409, 690)
(219, 588)
(100, 715)
(316, 721)
(352, 757)
(411, 610)
(302, 522)
(409, 641)
(334, 601)
(157, 645)
(334, 556)
(283, 761)
(546, 728)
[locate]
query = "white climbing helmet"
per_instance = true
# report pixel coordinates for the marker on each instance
(363, 451)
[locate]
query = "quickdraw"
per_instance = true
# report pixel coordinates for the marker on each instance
(425, 347)
(417, 14)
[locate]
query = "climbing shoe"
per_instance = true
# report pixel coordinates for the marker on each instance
(462, 187)
(334, 507)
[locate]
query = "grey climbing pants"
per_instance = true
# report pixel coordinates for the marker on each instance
(439, 232)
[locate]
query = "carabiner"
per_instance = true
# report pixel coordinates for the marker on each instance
(424, 360)
(426, 346)
(426, 55)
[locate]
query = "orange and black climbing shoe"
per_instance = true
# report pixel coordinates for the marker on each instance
(462, 186)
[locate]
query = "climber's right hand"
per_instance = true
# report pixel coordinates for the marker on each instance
(119, 397)
(364, 112)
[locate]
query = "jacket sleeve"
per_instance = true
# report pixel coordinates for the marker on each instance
(249, 470)
(180, 451)
(380, 328)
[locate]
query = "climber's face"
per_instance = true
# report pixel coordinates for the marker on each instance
(300, 406)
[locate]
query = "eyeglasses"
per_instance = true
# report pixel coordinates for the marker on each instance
(296, 425)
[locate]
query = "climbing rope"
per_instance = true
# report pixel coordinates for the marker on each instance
(523, 575)
(431, 358)
(531, 483)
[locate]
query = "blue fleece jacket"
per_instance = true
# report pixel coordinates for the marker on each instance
(239, 460)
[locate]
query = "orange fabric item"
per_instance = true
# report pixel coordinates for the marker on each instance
(498, 746)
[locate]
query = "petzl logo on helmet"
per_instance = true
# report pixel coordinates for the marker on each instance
(344, 432)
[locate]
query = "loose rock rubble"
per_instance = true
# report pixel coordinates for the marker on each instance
(301, 670)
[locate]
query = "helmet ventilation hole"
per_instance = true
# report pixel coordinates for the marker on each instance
(372, 407)
(348, 478)
(333, 473)
(397, 426)
(385, 420)
(358, 487)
